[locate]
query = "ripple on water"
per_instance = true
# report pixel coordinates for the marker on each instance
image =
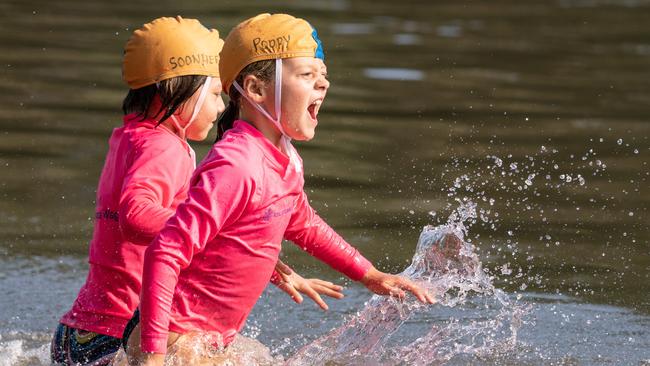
(393, 73)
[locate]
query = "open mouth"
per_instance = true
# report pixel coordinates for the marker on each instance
(313, 109)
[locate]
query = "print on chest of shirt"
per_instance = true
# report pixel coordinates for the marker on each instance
(273, 218)
(276, 211)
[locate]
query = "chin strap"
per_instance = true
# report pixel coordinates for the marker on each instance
(285, 140)
(197, 107)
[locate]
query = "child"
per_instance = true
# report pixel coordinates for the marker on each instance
(171, 67)
(209, 265)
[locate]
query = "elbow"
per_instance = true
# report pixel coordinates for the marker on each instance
(135, 227)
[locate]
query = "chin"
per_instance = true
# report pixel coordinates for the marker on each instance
(199, 137)
(306, 135)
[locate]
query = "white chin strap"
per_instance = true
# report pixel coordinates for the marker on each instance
(197, 107)
(285, 140)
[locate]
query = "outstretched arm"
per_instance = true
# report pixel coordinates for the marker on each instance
(313, 235)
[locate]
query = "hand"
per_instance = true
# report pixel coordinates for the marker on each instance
(134, 353)
(292, 283)
(282, 268)
(387, 284)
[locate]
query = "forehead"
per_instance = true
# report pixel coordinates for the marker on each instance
(295, 62)
(215, 84)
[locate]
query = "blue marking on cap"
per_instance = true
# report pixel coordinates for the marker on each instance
(319, 45)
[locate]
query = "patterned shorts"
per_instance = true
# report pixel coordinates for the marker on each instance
(72, 346)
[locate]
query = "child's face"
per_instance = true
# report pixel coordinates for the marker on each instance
(304, 86)
(212, 106)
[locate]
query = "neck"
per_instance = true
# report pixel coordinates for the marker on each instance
(167, 123)
(262, 124)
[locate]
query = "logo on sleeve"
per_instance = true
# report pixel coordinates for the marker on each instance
(107, 214)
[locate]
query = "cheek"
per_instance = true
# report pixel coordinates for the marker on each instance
(210, 109)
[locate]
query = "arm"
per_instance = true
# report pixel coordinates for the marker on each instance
(155, 176)
(312, 234)
(219, 196)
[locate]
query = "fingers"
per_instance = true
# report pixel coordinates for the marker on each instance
(282, 268)
(326, 288)
(291, 291)
(416, 290)
(397, 292)
(429, 297)
(316, 297)
(328, 292)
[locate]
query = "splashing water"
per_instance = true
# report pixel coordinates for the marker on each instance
(485, 326)
(205, 349)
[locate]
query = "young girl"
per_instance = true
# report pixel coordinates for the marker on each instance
(171, 67)
(209, 265)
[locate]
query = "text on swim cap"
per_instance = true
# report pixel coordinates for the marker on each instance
(273, 45)
(196, 59)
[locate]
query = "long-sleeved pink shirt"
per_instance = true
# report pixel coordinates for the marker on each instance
(211, 262)
(145, 177)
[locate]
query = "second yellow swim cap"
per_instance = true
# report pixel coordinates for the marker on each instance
(267, 37)
(170, 47)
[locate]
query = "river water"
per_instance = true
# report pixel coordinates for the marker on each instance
(535, 111)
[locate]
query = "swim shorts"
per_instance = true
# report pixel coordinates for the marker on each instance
(72, 346)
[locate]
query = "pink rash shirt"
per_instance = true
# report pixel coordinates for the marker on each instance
(145, 177)
(211, 262)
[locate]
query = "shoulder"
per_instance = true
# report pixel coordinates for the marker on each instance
(149, 137)
(240, 148)
(233, 158)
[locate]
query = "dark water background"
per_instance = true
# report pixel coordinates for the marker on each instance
(422, 93)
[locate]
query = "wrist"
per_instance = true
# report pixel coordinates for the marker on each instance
(370, 276)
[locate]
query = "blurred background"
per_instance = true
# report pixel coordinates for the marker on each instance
(537, 111)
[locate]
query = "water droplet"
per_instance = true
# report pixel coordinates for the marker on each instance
(619, 141)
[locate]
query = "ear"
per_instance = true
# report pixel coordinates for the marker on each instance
(255, 89)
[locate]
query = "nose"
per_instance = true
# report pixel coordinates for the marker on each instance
(322, 83)
(220, 105)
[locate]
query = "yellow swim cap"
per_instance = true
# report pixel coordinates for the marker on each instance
(170, 47)
(266, 37)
